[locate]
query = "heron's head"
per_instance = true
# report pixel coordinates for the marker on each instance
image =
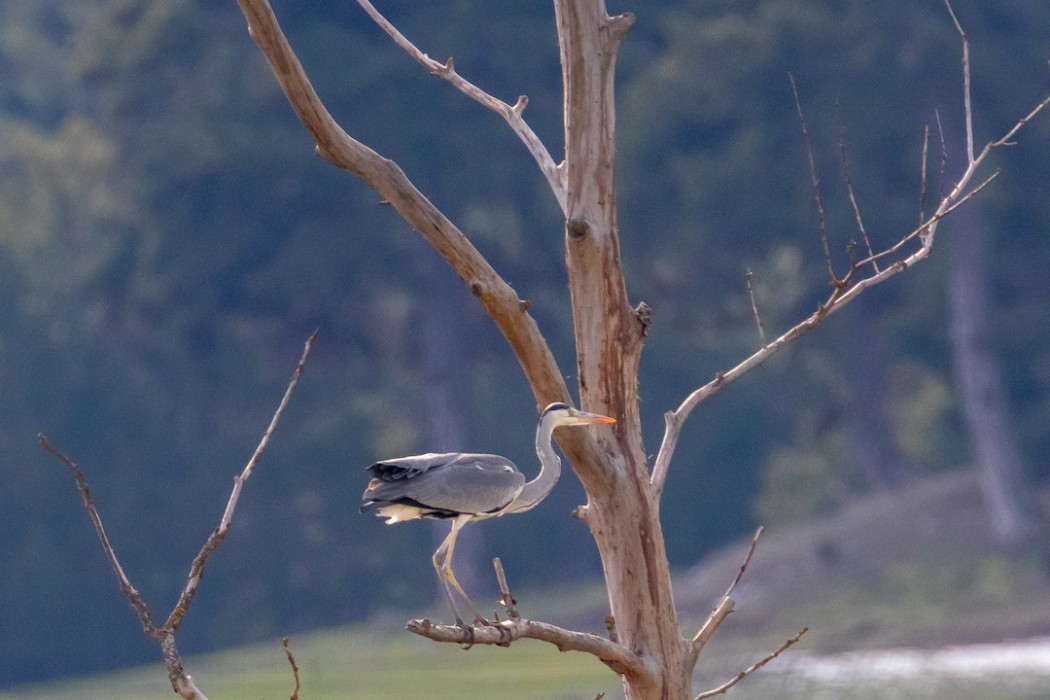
(563, 414)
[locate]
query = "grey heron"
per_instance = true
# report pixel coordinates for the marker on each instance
(462, 487)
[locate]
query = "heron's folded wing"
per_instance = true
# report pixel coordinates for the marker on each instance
(411, 467)
(462, 483)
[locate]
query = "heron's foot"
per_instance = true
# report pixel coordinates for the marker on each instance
(505, 636)
(466, 641)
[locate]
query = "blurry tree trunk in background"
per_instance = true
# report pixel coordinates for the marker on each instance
(879, 460)
(982, 390)
(442, 353)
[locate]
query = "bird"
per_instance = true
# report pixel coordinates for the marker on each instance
(464, 487)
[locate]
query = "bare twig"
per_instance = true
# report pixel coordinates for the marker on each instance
(853, 198)
(620, 659)
(754, 308)
(725, 604)
(1006, 140)
(967, 102)
(814, 181)
(944, 154)
(510, 113)
(922, 179)
(129, 591)
(751, 669)
(181, 681)
(295, 668)
(506, 599)
(219, 534)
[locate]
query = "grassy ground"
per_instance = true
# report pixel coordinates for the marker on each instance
(908, 569)
(366, 664)
(358, 663)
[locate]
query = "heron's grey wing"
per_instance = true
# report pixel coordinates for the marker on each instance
(389, 477)
(448, 483)
(410, 467)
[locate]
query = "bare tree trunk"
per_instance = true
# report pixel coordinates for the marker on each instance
(982, 391)
(622, 513)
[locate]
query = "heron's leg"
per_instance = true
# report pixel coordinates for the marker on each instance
(446, 565)
(441, 558)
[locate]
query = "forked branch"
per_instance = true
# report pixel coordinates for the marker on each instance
(512, 114)
(725, 604)
(847, 288)
(181, 681)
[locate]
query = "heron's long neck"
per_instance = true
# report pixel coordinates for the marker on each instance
(550, 469)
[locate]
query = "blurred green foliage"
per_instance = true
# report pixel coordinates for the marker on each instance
(168, 241)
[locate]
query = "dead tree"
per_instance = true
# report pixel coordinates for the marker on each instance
(646, 647)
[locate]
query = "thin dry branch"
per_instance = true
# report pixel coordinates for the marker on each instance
(922, 179)
(295, 668)
(510, 113)
(814, 182)
(620, 659)
(925, 228)
(1006, 140)
(505, 597)
(853, 198)
(751, 669)
(725, 604)
(967, 98)
(129, 591)
(219, 534)
(754, 308)
(181, 682)
(944, 154)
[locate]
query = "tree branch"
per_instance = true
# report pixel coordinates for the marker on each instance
(922, 177)
(751, 669)
(505, 598)
(967, 100)
(295, 669)
(725, 604)
(620, 659)
(219, 534)
(754, 307)
(130, 592)
(512, 114)
(853, 198)
(814, 182)
(383, 175)
(847, 288)
(181, 681)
